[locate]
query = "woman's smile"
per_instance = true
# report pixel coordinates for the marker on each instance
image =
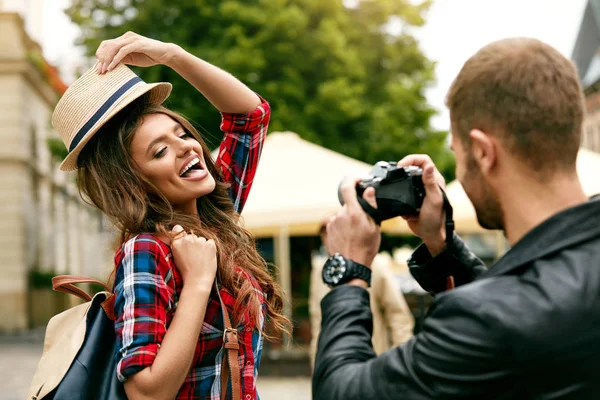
(193, 170)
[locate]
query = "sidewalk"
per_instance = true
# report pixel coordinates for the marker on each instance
(19, 356)
(18, 360)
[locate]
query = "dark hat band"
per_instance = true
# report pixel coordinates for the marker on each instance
(102, 111)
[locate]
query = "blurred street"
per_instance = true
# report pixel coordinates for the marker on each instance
(19, 357)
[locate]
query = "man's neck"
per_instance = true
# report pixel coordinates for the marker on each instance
(529, 203)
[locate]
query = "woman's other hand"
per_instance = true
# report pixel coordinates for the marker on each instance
(133, 49)
(195, 258)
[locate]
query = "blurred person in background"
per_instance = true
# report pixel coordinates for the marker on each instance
(528, 327)
(393, 322)
(150, 171)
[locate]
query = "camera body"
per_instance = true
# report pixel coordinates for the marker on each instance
(398, 190)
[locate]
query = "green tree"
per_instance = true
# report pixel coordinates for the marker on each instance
(331, 70)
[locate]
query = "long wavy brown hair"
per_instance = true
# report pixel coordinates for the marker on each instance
(108, 178)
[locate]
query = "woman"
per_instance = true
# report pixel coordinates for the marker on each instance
(149, 170)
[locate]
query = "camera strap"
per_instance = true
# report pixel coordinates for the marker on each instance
(449, 233)
(378, 216)
(374, 213)
(449, 217)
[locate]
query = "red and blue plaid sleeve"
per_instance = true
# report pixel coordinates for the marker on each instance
(240, 150)
(144, 295)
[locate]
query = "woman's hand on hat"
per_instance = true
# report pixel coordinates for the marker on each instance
(133, 49)
(195, 258)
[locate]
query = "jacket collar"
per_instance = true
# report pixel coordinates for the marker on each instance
(563, 230)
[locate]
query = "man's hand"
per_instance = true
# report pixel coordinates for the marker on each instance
(429, 223)
(351, 232)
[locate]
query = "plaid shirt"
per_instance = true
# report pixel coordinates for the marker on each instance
(148, 284)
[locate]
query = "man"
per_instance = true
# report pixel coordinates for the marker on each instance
(527, 328)
(393, 322)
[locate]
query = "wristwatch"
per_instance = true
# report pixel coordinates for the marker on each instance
(338, 270)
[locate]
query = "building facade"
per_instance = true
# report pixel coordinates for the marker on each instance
(586, 55)
(46, 228)
(591, 128)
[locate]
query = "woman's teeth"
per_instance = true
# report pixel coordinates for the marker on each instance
(189, 165)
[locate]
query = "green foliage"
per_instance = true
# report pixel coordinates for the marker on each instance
(95, 288)
(40, 279)
(331, 72)
(57, 149)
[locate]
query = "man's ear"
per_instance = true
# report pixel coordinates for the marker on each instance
(484, 150)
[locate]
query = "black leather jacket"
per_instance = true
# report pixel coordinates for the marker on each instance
(527, 328)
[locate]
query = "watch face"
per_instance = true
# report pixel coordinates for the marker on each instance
(334, 270)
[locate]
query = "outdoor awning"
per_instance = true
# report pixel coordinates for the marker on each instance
(588, 168)
(296, 187)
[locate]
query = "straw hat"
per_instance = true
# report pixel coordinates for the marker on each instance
(94, 99)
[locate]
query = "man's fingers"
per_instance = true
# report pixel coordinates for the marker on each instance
(348, 190)
(432, 189)
(331, 219)
(439, 179)
(369, 196)
(418, 160)
(424, 162)
(431, 177)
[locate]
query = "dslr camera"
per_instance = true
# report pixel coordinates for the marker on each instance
(398, 191)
